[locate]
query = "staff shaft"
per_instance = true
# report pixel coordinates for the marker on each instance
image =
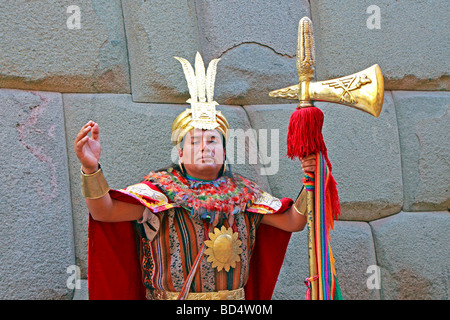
(311, 243)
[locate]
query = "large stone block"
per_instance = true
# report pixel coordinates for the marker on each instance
(41, 52)
(410, 45)
(413, 256)
(36, 243)
(156, 31)
(225, 25)
(364, 152)
(135, 139)
(354, 252)
(247, 73)
(424, 122)
(257, 41)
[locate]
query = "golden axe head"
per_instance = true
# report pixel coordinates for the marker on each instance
(363, 90)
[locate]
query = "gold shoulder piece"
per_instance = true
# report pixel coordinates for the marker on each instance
(265, 204)
(144, 190)
(140, 190)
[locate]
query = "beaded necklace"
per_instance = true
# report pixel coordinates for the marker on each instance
(210, 200)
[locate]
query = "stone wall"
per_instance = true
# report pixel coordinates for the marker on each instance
(117, 69)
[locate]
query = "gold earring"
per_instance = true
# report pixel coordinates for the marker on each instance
(224, 167)
(181, 166)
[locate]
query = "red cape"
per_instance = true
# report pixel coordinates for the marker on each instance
(114, 271)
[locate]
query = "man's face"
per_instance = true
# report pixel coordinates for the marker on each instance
(202, 153)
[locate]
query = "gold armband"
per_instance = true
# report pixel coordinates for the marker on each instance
(300, 204)
(94, 185)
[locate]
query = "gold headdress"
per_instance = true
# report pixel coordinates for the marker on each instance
(203, 113)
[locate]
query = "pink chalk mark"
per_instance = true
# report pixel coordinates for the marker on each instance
(27, 129)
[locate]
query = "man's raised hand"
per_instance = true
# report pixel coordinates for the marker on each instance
(87, 148)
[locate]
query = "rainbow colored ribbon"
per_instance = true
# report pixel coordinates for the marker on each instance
(328, 288)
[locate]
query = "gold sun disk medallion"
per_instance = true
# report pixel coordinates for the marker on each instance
(223, 248)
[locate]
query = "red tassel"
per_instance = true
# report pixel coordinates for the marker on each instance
(305, 138)
(333, 205)
(305, 133)
(334, 198)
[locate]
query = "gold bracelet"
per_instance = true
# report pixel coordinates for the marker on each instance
(300, 204)
(94, 185)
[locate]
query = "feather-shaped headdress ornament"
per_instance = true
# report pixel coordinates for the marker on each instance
(203, 113)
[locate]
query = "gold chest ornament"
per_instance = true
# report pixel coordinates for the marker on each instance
(224, 248)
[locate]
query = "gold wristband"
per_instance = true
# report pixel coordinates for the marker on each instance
(94, 185)
(300, 204)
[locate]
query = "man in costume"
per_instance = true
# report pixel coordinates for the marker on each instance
(194, 230)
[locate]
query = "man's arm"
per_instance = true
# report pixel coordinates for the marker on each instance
(291, 220)
(107, 209)
(294, 218)
(101, 206)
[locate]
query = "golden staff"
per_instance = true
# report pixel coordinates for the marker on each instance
(311, 245)
(363, 90)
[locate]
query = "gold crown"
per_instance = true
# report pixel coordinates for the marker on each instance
(203, 113)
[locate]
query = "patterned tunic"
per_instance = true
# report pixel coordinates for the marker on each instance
(172, 233)
(168, 259)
